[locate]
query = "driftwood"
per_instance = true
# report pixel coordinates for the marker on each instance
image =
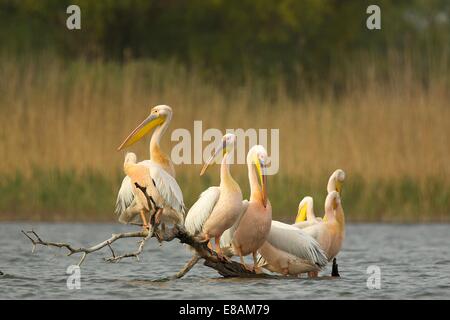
(37, 240)
(223, 266)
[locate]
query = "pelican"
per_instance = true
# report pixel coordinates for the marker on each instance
(156, 175)
(249, 233)
(329, 232)
(336, 181)
(167, 197)
(305, 216)
(290, 251)
(217, 208)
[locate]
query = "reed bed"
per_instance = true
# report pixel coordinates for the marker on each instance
(61, 123)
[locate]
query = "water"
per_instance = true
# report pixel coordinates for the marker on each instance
(414, 261)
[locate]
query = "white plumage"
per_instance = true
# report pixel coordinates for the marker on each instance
(125, 196)
(167, 187)
(296, 242)
(307, 223)
(227, 237)
(164, 190)
(201, 210)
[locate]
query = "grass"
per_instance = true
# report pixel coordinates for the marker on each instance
(61, 123)
(87, 196)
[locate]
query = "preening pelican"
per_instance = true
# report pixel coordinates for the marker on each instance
(336, 181)
(305, 216)
(251, 230)
(290, 251)
(157, 175)
(330, 232)
(217, 208)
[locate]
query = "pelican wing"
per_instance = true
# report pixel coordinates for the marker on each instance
(125, 197)
(304, 224)
(296, 242)
(167, 187)
(227, 237)
(201, 210)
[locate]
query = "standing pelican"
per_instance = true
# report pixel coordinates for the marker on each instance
(290, 251)
(305, 216)
(249, 233)
(218, 207)
(157, 175)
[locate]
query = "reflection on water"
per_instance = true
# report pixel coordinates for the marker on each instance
(413, 260)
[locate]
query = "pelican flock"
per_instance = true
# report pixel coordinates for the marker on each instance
(239, 227)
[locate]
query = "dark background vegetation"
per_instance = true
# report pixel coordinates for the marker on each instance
(233, 38)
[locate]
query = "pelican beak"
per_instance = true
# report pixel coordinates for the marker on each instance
(335, 204)
(141, 130)
(221, 148)
(338, 186)
(261, 169)
(301, 215)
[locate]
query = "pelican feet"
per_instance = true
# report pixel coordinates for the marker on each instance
(250, 268)
(257, 270)
(313, 274)
(145, 226)
(223, 257)
(155, 220)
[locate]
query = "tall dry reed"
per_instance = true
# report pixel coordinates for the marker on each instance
(72, 116)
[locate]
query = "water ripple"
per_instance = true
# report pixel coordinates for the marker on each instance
(412, 264)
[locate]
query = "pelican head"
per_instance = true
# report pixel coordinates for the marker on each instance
(336, 181)
(130, 157)
(225, 147)
(303, 207)
(157, 117)
(257, 156)
(332, 202)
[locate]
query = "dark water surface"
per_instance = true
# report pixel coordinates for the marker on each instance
(414, 261)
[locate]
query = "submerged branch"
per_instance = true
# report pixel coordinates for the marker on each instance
(37, 240)
(223, 266)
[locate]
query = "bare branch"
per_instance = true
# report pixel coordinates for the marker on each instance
(134, 254)
(225, 267)
(36, 240)
(187, 267)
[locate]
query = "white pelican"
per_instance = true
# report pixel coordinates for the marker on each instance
(217, 208)
(290, 251)
(305, 216)
(157, 175)
(336, 181)
(329, 232)
(249, 233)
